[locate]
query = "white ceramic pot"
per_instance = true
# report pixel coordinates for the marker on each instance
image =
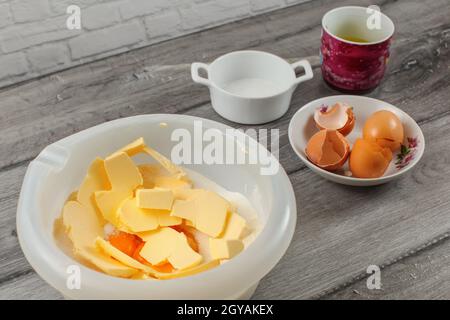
(60, 168)
(251, 87)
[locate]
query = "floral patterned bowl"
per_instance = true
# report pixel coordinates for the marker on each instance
(302, 127)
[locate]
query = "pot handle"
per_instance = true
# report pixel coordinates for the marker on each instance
(306, 67)
(195, 67)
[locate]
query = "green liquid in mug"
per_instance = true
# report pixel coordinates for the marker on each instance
(352, 38)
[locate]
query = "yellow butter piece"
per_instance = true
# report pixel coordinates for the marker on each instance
(224, 249)
(149, 173)
(159, 245)
(133, 148)
(142, 276)
(190, 271)
(184, 256)
(105, 263)
(184, 209)
(155, 175)
(107, 248)
(134, 218)
(122, 172)
(166, 220)
(186, 193)
(166, 244)
(235, 227)
(108, 202)
(211, 213)
(171, 182)
(83, 227)
(81, 223)
(140, 220)
(95, 180)
(124, 178)
(156, 198)
(206, 210)
(166, 163)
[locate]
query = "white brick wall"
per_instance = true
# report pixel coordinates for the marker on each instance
(34, 39)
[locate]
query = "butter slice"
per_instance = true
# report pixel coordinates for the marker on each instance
(166, 244)
(135, 147)
(122, 172)
(185, 209)
(124, 177)
(165, 219)
(149, 172)
(159, 245)
(166, 163)
(212, 213)
(171, 182)
(108, 202)
(112, 251)
(156, 198)
(206, 210)
(190, 271)
(95, 180)
(224, 249)
(134, 218)
(184, 256)
(105, 263)
(83, 227)
(140, 220)
(235, 228)
(81, 223)
(155, 175)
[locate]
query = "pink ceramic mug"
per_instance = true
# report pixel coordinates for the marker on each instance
(355, 48)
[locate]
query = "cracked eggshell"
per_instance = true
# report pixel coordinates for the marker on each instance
(339, 117)
(368, 159)
(384, 128)
(328, 149)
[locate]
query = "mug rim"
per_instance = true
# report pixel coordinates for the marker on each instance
(324, 28)
(257, 52)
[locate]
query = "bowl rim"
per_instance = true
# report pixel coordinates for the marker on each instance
(386, 178)
(50, 261)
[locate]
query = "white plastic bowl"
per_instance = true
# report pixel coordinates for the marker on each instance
(60, 168)
(302, 128)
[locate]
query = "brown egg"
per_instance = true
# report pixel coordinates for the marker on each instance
(384, 128)
(368, 159)
(328, 149)
(339, 117)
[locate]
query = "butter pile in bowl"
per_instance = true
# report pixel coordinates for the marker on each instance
(148, 221)
(81, 226)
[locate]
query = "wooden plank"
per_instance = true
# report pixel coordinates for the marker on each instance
(424, 275)
(28, 287)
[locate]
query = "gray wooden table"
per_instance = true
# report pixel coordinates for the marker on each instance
(403, 227)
